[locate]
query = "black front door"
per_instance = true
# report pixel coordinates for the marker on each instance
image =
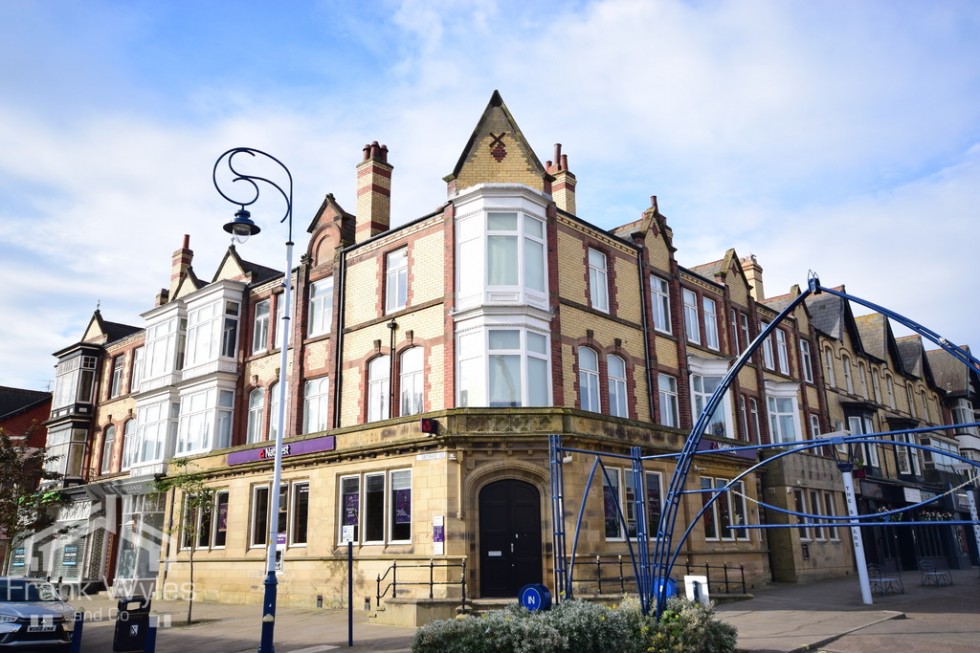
(510, 538)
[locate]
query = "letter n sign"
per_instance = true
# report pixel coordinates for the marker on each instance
(535, 597)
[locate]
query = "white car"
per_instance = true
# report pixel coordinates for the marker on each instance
(33, 617)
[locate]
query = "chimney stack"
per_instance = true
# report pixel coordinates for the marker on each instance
(753, 272)
(373, 193)
(180, 263)
(563, 188)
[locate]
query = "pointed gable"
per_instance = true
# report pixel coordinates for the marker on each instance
(652, 230)
(331, 230)
(234, 268)
(497, 152)
(188, 284)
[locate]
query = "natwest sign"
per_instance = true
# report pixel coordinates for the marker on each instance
(315, 445)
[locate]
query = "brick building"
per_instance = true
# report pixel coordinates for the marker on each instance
(502, 317)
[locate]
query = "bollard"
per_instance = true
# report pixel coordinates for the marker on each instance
(76, 633)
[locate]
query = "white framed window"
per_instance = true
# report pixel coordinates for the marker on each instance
(706, 376)
(256, 410)
(384, 513)
(260, 327)
(845, 362)
(784, 416)
(625, 493)
(814, 425)
(315, 403)
(963, 414)
(828, 359)
(669, 406)
(710, 323)
(925, 405)
(588, 380)
(156, 423)
(136, 373)
(733, 328)
(743, 416)
(818, 529)
(598, 281)
(74, 381)
(876, 385)
(164, 347)
(396, 280)
(830, 509)
(209, 528)
(612, 505)
(890, 388)
(727, 516)
(911, 399)
(799, 505)
(767, 355)
(862, 425)
(212, 330)
(515, 251)
(691, 326)
(219, 520)
(205, 421)
(503, 367)
(744, 322)
(863, 379)
(756, 435)
(115, 381)
(108, 440)
(129, 443)
(618, 404)
(782, 352)
(379, 388)
(321, 307)
(259, 516)
(274, 411)
(805, 360)
(410, 382)
(660, 290)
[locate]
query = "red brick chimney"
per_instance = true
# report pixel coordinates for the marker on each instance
(180, 264)
(373, 193)
(563, 188)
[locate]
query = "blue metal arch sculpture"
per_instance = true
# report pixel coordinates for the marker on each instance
(648, 571)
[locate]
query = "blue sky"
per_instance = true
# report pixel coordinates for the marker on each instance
(840, 137)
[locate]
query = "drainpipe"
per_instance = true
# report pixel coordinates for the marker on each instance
(339, 340)
(651, 390)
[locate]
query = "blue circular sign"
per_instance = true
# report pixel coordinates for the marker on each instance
(535, 597)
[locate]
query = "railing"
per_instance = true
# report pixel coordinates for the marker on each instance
(721, 586)
(614, 575)
(415, 568)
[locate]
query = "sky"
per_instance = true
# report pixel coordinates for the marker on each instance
(836, 137)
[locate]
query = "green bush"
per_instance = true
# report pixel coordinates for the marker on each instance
(581, 627)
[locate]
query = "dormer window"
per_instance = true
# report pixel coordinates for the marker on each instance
(75, 381)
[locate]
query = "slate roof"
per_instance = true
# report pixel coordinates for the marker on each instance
(910, 349)
(949, 373)
(260, 273)
(872, 329)
(827, 314)
(709, 270)
(16, 400)
(117, 331)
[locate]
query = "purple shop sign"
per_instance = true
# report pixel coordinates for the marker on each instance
(326, 443)
(722, 447)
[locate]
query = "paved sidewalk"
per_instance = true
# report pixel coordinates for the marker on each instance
(784, 618)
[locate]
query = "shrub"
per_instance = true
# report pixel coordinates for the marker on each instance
(581, 627)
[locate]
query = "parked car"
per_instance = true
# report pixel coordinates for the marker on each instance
(33, 616)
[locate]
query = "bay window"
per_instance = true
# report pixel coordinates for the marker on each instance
(75, 381)
(784, 414)
(706, 376)
(205, 421)
(212, 330)
(504, 367)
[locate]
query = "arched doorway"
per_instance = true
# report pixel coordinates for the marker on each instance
(510, 537)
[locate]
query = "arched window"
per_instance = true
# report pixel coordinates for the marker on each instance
(256, 404)
(848, 381)
(129, 444)
(108, 439)
(379, 388)
(410, 382)
(828, 357)
(274, 411)
(618, 405)
(588, 379)
(315, 405)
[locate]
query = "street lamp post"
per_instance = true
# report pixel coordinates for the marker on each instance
(241, 228)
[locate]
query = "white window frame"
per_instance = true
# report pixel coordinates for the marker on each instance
(782, 352)
(909, 396)
(260, 327)
(396, 280)
(767, 356)
(756, 424)
(316, 395)
(116, 378)
(669, 402)
(598, 280)
(784, 412)
(806, 361)
(712, 371)
(616, 373)
(692, 328)
(392, 481)
(862, 425)
(734, 499)
(379, 388)
(411, 384)
(828, 355)
(733, 326)
(863, 378)
(136, 371)
(710, 323)
(890, 389)
(105, 465)
(876, 384)
(256, 411)
(588, 380)
(845, 362)
(321, 307)
(660, 291)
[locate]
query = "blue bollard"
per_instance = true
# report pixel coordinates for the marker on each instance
(76, 633)
(151, 635)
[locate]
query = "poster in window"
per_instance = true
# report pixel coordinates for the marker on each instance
(223, 517)
(19, 556)
(69, 556)
(403, 506)
(350, 510)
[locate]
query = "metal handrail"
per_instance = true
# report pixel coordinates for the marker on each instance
(431, 565)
